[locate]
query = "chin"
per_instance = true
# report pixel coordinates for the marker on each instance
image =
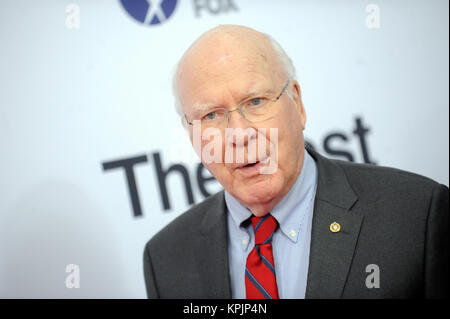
(262, 190)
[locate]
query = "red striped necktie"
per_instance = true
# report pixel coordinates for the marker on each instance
(260, 279)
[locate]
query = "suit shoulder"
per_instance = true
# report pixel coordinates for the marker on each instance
(382, 179)
(185, 225)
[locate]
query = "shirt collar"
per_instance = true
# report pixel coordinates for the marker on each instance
(297, 199)
(239, 213)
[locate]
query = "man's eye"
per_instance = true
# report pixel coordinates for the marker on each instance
(256, 101)
(210, 116)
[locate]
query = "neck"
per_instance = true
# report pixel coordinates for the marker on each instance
(262, 209)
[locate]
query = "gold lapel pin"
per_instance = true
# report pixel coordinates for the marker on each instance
(335, 227)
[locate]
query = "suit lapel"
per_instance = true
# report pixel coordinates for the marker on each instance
(212, 252)
(331, 253)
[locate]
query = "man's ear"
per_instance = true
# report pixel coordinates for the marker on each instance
(297, 99)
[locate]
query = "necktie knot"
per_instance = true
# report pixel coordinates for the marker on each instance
(264, 227)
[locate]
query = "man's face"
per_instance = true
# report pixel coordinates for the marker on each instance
(225, 77)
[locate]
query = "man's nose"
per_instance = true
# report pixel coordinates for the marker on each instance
(234, 117)
(239, 132)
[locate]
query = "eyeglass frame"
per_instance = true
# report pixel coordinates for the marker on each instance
(240, 106)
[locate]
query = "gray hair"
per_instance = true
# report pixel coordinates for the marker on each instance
(285, 60)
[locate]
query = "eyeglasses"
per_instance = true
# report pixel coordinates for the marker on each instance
(253, 110)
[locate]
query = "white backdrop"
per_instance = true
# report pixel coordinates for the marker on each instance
(84, 84)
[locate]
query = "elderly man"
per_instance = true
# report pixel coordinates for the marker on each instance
(311, 227)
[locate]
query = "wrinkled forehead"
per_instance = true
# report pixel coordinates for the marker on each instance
(223, 68)
(222, 56)
(219, 44)
(221, 61)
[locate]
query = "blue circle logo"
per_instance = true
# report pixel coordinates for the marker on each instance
(150, 12)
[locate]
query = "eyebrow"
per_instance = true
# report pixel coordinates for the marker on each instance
(201, 108)
(255, 92)
(257, 89)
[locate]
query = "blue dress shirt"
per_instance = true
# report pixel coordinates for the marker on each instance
(291, 241)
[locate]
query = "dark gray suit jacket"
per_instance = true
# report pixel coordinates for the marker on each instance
(396, 220)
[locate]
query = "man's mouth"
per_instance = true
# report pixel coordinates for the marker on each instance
(252, 169)
(251, 164)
